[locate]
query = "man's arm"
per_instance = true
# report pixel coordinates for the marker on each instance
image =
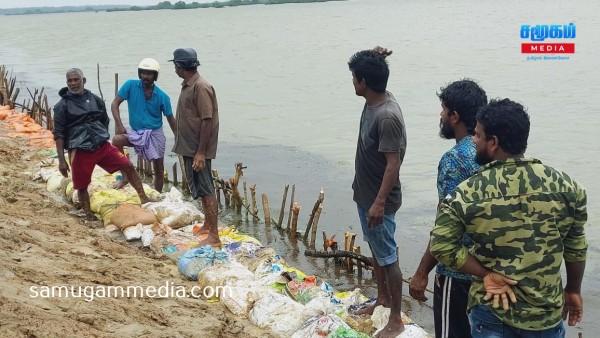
(390, 177)
(172, 123)
(418, 282)
(116, 113)
(200, 157)
(59, 137)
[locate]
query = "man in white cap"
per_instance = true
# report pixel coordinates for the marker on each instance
(197, 137)
(147, 103)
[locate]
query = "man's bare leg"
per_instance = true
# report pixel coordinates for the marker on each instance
(159, 173)
(84, 199)
(136, 182)
(121, 141)
(394, 326)
(209, 204)
(383, 293)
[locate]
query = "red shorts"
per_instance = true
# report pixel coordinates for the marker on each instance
(108, 157)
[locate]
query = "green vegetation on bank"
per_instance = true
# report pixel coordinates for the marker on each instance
(160, 5)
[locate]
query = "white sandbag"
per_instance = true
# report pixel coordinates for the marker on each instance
(191, 262)
(56, 182)
(174, 211)
(147, 237)
(320, 326)
(221, 275)
(277, 313)
(380, 319)
(133, 233)
(240, 300)
(319, 305)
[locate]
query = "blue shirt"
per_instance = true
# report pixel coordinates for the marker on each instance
(455, 166)
(145, 114)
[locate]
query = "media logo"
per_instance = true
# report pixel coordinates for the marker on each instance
(541, 34)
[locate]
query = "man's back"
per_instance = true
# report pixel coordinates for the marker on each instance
(523, 217)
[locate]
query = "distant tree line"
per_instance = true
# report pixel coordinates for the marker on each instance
(215, 4)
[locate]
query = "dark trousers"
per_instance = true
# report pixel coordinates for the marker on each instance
(450, 307)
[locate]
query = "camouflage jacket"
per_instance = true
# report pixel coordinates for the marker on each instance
(524, 218)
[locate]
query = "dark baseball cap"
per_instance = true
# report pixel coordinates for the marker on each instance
(185, 57)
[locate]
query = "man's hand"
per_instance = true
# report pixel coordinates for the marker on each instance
(199, 162)
(417, 285)
(63, 167)
(573, 309)
(498, 286)
(382, 51)
(375, 214)
(120, 130)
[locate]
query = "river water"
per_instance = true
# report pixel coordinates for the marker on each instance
(288, 109)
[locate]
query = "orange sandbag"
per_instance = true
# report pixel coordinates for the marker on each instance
(127, 215)
(3, 116)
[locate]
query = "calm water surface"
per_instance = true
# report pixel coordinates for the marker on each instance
(288, 110)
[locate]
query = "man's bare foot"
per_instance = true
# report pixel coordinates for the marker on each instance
(210, 240)
(370, 309)
(144, 199)
(120, 184)
(200, 230)
(391, 330)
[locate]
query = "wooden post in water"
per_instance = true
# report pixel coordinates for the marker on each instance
(116, 83)
(294, 226)
(218, 187)
(282, 210)
(312, 214)
(313, 235)
(324, 241)
(253, 196)
(247, 204)
(359, 264)
(291, 206)
(348, 246)
(175, 182)
(184, 181)
(266, 210)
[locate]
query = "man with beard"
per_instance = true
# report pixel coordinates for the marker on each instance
(146, 103)
(460, 101)
(524, 219)
(81, 127)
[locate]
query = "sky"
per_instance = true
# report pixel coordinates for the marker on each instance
(55, 3)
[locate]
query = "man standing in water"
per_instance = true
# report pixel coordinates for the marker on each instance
(146, 104)
(197, 136)
(460, 101)
(81, 126)
(379, 154)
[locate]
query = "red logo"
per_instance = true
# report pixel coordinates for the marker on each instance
(548, 48)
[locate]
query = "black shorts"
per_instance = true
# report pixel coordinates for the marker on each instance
(450, 298)
(200, 182)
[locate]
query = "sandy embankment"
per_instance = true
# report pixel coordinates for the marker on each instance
(41, 244)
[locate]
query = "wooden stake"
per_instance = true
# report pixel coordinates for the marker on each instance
(294, 226)
(175, 182)
(282, 210)
(312, 214)
(313, 235)
(253, 196)
(359, 264)
(324, 241)
(266, 210)
(291, 206)
(184, 181)
(348, 246)
(215, 176)
(116, 84)
(247, 204)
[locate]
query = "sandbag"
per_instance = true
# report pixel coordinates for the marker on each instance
(191, 262)
(277, 313)
(320, 327)
(220, 275)
(240, 300)
(127, 215)
(174, 211)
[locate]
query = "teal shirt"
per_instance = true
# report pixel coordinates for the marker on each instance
(145, 114)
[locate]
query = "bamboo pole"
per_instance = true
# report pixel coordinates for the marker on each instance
(175, 182)
(266, 210)
(312, 214)
(358, 263)
(324, 241)
(184, 181)
(348, 246)
(247, 204)
(282, 210)
(218, 187)
(116, 84)
(99, 88)
(253, 197)
(14, 97)
(294, 226)
(313, 235)
(237, 199)
(291, 206)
